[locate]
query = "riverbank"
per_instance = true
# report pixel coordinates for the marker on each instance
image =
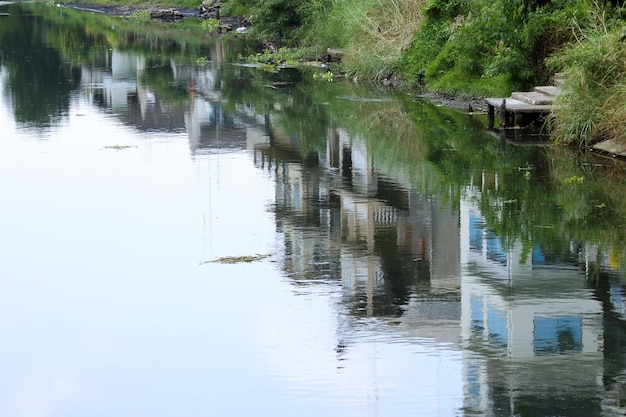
(459, 102)
(129, 10)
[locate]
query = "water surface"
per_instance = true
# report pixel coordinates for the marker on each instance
(412, 264)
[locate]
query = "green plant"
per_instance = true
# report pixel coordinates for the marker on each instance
(277, 22)
(323, 76)
(372, 33)
(140, 16)
(211, 24)
(591, 107)
(574, 180)
(501, 44)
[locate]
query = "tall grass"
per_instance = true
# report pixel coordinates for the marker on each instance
(372, 33)
(592, 106)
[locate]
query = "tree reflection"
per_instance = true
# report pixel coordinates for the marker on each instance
(39, 81)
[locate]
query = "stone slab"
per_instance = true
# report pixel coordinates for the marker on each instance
(559, 79)
(533, 97)
(611, 146)
(549, 90)
(518, 106)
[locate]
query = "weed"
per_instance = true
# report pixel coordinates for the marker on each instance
(141, 16)
(372, 33)
(574, 180)
(591, 107)
(323, 76)
(211, 25)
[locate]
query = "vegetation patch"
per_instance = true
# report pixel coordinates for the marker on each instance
(140, 15)
(211, 24)
(237, 259)
(119, 147)
(591, 107)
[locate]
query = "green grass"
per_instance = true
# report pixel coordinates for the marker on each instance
(372, 33)
(592, 105)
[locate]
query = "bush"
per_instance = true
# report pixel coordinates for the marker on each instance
(277, 22)
(505, 41)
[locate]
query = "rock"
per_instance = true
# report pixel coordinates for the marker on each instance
(333, 55)
(166, 15)
(210, 9)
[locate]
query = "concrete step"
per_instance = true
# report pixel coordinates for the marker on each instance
(548, 90)
(558, 79)
(533, 97)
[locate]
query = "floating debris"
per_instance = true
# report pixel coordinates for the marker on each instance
(237, 259)
(119, 147)
(363, 99)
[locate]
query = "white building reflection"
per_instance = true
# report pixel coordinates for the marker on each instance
(122, 83)
(531, 332)
(530, 327)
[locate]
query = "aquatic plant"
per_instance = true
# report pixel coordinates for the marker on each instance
(238, 259)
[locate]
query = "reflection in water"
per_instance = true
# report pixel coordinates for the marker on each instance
(530, 331)
(427, 268)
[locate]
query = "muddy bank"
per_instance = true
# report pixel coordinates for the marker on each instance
(465, 104)
(125, 10)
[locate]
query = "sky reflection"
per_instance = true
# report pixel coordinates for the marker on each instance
(108, 309)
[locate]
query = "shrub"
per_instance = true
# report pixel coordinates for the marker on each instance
(277, 22)
(504, 40)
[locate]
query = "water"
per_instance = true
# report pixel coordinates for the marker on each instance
(408, 262)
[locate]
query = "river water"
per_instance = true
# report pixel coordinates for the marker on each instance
(402, 261)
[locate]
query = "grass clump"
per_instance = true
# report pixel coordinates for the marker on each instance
(211, 24)
(141, 16)
(591, 107)
(372, 33)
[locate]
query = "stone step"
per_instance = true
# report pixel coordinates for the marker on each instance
(533, 97)
(558, 79)
(548, 90)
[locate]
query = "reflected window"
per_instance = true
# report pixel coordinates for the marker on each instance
(554, 335)
(473, 384)
(538, 257)
(616, 296)
(476, 304)
(495, 250)
(497, 325)
(476, 233)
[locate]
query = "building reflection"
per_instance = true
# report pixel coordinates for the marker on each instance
(533, 332)
(531, 329)
(541, 332)
(126, 85)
